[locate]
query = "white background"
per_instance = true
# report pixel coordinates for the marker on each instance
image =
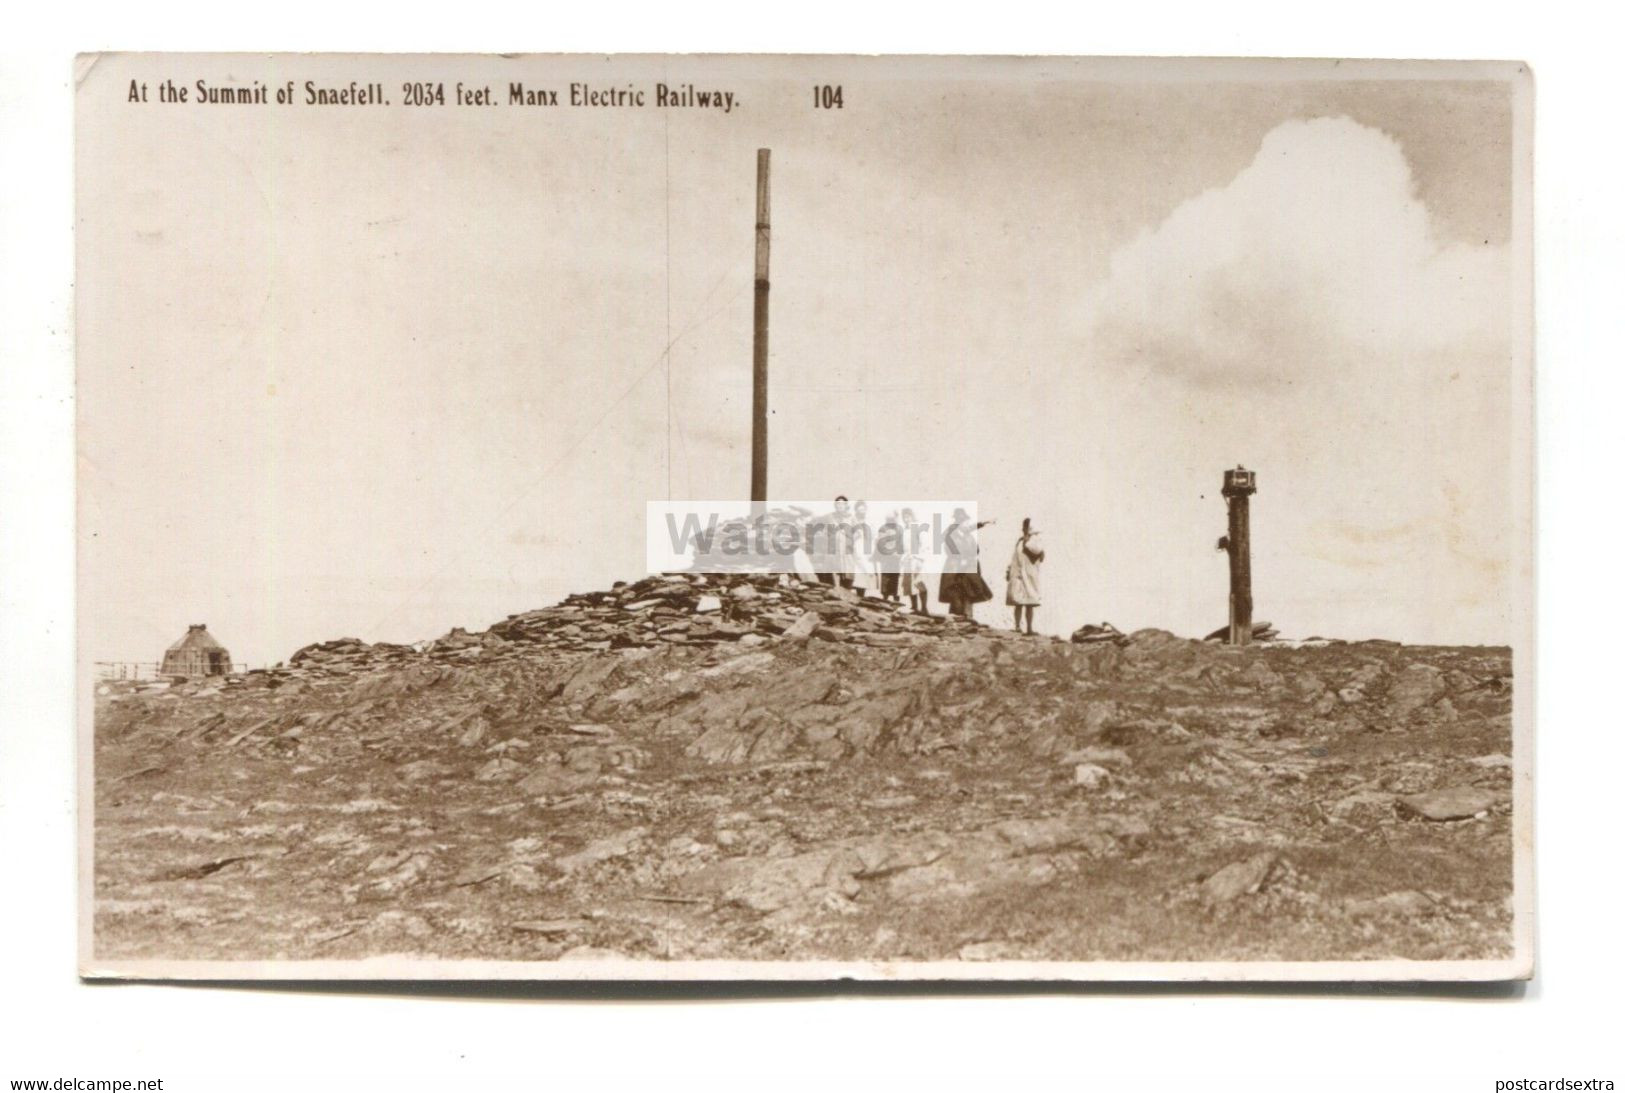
(1564, 1024)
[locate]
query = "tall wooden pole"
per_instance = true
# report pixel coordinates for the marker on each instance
(1239, 485)
(758, 431)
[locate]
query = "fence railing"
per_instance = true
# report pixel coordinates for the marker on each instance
(141, 669)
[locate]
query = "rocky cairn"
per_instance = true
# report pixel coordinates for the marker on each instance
(668, 609)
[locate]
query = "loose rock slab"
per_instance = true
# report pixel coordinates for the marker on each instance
(1238, 878)
(1454, 803)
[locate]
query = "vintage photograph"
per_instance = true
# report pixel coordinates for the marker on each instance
(804, 517)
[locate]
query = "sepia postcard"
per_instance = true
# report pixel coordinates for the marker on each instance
(804, 517)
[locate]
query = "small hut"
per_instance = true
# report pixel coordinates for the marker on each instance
(196, 654)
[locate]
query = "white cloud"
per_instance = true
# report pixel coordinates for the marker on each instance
(1316, 258)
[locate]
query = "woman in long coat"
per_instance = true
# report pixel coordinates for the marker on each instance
(962, 586)
(1021, 579)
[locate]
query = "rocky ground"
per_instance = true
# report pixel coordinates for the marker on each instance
(747, 769)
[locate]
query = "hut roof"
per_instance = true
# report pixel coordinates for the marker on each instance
(197, 636)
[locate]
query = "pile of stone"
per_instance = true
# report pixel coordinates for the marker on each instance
(707, 609)
(342, 653)
(667, 609)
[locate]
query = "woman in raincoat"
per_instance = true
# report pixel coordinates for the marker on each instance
(1021, 578)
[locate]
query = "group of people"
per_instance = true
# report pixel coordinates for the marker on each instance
(846, 551)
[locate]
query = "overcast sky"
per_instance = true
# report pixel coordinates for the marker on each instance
(381, 372)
